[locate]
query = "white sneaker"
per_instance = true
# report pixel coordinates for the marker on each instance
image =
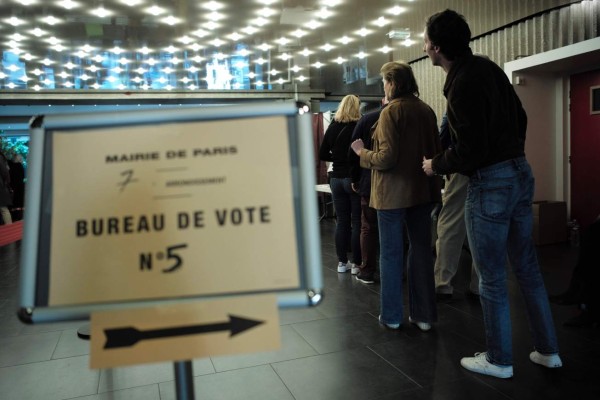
(546, 360)
(355, 269)
(481, 365)
(343, 267)
(389, 326)
(424, 326)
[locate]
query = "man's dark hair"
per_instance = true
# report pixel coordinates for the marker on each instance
(449, 30)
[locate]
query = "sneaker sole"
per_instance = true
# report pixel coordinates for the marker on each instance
(499, 374)
(368, 282)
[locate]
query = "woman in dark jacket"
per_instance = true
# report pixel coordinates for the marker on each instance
(346, 202)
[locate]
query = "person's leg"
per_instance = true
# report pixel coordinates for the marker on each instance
(369, 239)
(421, 286)
(341, 204)
(451, 232)
(355, 212)
(391, 260)
(523, 258)
(6, 217)
(487, 211)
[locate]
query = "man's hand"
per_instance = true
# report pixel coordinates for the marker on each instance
(427, 167)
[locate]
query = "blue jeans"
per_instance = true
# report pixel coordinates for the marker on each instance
(421, 287)
(346, 204)
(499, 222)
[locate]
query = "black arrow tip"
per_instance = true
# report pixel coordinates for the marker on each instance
(239, 324)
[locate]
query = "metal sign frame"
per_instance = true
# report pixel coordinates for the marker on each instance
(38, 219)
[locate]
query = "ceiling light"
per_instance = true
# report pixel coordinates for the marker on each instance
(324, 13)
(137, 79)
(14, 21)
(26, 2)
(399, 34)
(93, 68)
(327, 47)
(295, 68)
(185, 80)
(197, 59)
(215, 16)
(47, 62)
(235, 36)
(81, 54)
(244, 52)
(264, 47)
(85, 77)
(251, 75)
(396, 10)
(282, 41)
(68, 4)
(273, 72)
(313, 24)
(171, 49)
(285, 56)
(101, 12)
(281, 81)
(195, 47)
(123, 61)
(306, 52)
(121, 87)
(2, 75)
(200, 33)
(220, 56)
(385, 49)
(117, 50)
(140, 71)
(171, 20)
(11, 85)
(28, 57)
(211, 25)
(37, 72)
(116, 70)
(38, 32)
(155, 10)
(266, 12)
(59, 47)
(381, 22)
(64, 75)
(301, 78)
(193, 69)
(217, 42)
(340, 60)
(168, 70)
(259, 21)
(96, 85)
(36, 88)
(267, 2)
(331, 3)
(51, 20)
(213, 6)
(47, 82)
(151, 62)
(298, 33)
(132, 3)
(145, 50)
(240, 65)
(98, 58)
(87, 48)
(17, 37)
(192, 87)
(363, 32)
(260, 61)
(361, 55)
(259, 83)
(111, 79)
(162, 80)
(175, 60)
(250, 30)
(68, 84)
(408, 42)
(344, 40)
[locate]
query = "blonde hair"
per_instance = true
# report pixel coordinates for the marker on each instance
(349, 109)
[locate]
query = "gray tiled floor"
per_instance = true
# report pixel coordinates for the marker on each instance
(334, 351)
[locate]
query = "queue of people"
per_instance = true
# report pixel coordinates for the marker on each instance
(489, 191)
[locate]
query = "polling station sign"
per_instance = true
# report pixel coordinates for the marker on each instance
(175, 209)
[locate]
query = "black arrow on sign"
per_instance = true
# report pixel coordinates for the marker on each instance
(129, 336)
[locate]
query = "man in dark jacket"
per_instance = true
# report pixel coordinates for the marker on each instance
(487, 125)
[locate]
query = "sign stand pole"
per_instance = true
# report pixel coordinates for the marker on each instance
(184, 381)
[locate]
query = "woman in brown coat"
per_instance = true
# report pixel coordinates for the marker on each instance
(406, 131)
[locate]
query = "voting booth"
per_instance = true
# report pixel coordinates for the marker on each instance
(169, 227)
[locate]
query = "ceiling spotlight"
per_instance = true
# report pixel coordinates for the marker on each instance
(327, 47)
(340, 60)
(363, 32)
(68, 4)
(396, 10)
(318, 64)
(306, 52)
(213, 5)
(344, 40)
(101, 12)
(249, 30)
(385, 49)
(155, 10)
(37, 32)
(381, 22)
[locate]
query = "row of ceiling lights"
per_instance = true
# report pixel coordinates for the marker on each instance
(87, 50)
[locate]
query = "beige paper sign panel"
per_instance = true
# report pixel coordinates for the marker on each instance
(171, 210)
(184, 331)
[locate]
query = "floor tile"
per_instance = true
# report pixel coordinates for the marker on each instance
(50, 380)
(70, 345)
(149, 392)
(27, 348)
(350, 375)
(335, 334)
(256, 383)
(462, 389)
(292, 346)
